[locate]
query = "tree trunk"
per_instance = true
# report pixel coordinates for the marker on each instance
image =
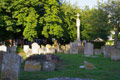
(116, 37)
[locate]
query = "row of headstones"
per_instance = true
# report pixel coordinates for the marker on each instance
(9, 65)
(89, 50)
(36, 49)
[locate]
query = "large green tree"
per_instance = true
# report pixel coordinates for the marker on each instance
(68, 14)
(31, 17)
(95, 24)
(112, 7)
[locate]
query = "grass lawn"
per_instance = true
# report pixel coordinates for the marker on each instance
(106, 69)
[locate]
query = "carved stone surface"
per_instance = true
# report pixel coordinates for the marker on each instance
(10, 67)
(106, 51)
(48, 66)
(89, 49)
(32, 66)
(3, 48)
(1, 58)
(115, 54)
(97, 51)
(35, 48)
(76, 48)
(26, 48)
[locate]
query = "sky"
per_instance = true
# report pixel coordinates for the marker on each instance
(83, 3)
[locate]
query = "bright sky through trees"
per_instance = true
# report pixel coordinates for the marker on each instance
(83, 3)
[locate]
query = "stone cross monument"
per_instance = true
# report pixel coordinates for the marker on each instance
(78, 27)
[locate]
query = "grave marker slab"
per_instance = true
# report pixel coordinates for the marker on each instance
(89, 49)
(3, 48)
(35, 48)
(10, 67)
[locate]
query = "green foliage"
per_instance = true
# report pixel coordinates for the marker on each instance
(68, 14)
(95, 24)
(97, 45)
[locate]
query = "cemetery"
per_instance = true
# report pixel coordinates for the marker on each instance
(56, 40)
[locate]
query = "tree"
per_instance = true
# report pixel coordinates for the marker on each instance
(68, 14)
(112, 7)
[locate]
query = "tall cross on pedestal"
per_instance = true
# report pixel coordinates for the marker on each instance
(78, 27)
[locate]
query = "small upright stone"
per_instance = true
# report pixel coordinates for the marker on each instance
(10, 67)
(48, 66)
(106, 51)
(89, 49)
(3, 48)
(26, 48)
(1, 58)
(74, 48)
(97, 51)
(32, 66)
(35, 48)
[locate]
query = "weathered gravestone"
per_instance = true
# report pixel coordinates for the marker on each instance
(26, 48)
(89, 49)
(35, 48)
(102, 49)
(48, 66)
(1, 58)
(3, 48)
(10, 67)
(32, 66)
(76, 48)
(106, 51)
(11, 49)
(118, 44)
(97, 51)
(115, 54)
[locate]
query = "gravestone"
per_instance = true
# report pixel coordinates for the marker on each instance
(115, 54)
(10, 67)
(76, 47)
(35, 48)
(62, 47)
(118, 44)
(48, 66)
(67, 46)
(48, 46)
(26, 48)
(89, 49)
(1, 58)
(3, 48)
(32, 66)
(106, 51)
(13, 49)
(102, 49)
(97, 51)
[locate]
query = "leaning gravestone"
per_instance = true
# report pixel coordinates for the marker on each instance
(3, 48)
(89, 49)
(10, 67)
(35, 48)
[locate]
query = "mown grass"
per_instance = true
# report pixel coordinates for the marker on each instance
(106, 69)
